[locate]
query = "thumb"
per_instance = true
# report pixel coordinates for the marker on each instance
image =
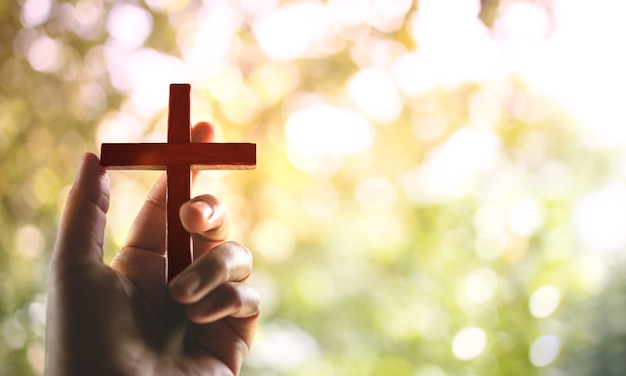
(81, 229)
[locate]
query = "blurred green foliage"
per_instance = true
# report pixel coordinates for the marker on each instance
(420, 252)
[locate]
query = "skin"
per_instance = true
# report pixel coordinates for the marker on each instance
(123, 318)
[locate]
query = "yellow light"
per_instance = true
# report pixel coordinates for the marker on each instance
(301, 29)
(525, 217)
(481, 285)
(376, 95)
(321, 128)
(29, 241)
(320, 199)
(272, 240)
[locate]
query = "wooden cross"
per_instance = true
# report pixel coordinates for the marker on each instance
(178, 157)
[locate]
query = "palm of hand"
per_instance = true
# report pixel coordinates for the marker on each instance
(209, 346)
(124, 308)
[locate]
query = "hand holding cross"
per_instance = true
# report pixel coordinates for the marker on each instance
(178, 157)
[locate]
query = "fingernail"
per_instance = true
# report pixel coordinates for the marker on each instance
(186, 284)
(204, 208)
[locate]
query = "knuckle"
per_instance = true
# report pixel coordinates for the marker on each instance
(255, 302)
(239, 249)
(230, 296)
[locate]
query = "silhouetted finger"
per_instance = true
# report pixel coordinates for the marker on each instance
(234, 299)
(228, 262)
(206, 218)
(81, 229)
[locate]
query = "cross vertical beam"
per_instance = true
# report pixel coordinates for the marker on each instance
(178, 182)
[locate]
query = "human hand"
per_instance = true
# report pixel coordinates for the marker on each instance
(113, 320)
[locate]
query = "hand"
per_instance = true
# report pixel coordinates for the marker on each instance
(113, 320)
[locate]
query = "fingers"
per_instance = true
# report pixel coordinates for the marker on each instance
(206, 218)
(228, 262)
(148, 230)
(81, 230)
(212, 286)
(234, 299)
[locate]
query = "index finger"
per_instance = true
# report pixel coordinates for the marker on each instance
(206, 218)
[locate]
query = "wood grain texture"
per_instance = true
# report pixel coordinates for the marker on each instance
(155, 156)
(178, 118)
(178, 240)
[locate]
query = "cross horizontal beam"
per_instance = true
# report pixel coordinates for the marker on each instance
(199, 156)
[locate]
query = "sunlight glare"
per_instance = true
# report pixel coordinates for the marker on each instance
(119, 127)
(349, 12)
(294, 30)
(166, 5)
(388, 15)
(46, 54)
(87, 13)
(458, 43)
(376, 52)
(450, 170)
(581, 65)
(206, 43)
(129, 24)
(415, 73)
(283, 346)
(544, 350)
(272, 81)
(375, 93)
(324, 129)
(525, 217)
(522, 22)
(149, 73)
(123, 208)
(469, 343)
(544, 301)
(35, 12)
(254, 7)
(599, 218)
